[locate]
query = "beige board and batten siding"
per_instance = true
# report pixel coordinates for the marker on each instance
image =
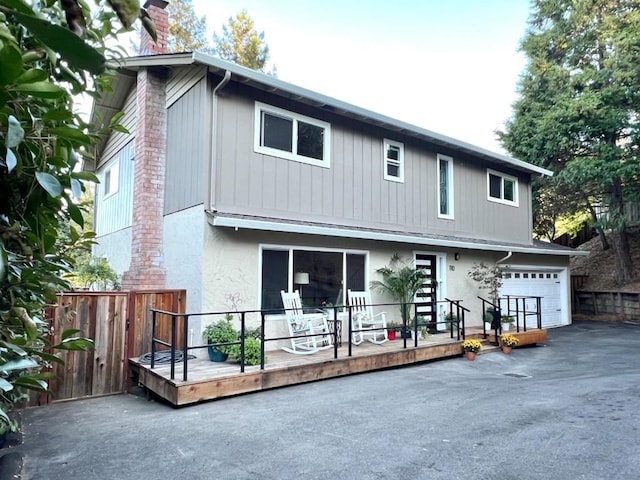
(115, 211)
(187, 149)
(353, 192)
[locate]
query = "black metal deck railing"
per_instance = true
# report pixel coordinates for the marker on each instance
(179, 322)
(517, 307)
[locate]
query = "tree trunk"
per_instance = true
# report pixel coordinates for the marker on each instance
(603, 238)
(623, 263)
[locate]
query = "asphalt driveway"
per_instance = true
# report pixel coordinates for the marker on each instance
(566, 410)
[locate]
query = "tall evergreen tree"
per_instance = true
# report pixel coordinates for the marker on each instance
(241, 43)
(187, 31)
(578, 109)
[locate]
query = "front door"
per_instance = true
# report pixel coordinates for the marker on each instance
(426, 297)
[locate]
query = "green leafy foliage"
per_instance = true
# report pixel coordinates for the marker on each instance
(401, 281)
(44, 65)
(221, 331)
(578, 110)
(489, 278)
(251, 351)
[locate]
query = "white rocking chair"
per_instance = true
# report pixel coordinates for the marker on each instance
(363, 322)
(309, 332)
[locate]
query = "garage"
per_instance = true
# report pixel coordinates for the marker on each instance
(538, 282)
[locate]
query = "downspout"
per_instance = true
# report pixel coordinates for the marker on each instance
(214, 136)
(504, 258)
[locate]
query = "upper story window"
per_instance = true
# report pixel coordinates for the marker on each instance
(292, 136)
(502, 188)
(445, 186)
(111, 179)
(393, 161)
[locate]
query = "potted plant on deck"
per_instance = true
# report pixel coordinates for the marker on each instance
(219, 333)
(401, 281)
(506, 321)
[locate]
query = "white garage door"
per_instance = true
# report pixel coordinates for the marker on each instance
(527, 283)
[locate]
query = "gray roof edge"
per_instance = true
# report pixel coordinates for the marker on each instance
(202, 58)
(220, 219)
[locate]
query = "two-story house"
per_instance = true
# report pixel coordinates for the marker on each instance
(232, 182)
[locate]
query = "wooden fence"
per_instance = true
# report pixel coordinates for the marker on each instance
(120, 325)
(625, 305)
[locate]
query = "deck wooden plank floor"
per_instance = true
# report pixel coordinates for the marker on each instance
(221, 379)
(208, 380)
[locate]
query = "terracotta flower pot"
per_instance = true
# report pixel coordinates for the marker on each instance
(470, 355)
(506, 350)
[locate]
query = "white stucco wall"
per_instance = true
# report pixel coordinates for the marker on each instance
(231, 266)
(183, 240)
(116, 248)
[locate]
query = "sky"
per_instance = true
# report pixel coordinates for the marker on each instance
(450, 66)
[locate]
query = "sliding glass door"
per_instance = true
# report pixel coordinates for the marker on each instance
(319, 275)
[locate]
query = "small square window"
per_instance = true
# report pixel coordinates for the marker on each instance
(502, 188)
(525, 275)
(516, 275)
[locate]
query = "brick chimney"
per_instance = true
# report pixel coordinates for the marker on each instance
(146, 270)
(160, 18)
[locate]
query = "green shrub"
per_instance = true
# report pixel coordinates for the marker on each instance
(221, 332)
(251, 351)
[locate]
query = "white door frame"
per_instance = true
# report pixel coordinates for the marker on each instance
(441, 278)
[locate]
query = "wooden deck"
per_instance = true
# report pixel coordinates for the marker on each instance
(208, 380)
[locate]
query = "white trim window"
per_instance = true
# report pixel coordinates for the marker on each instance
(289, 135)
(393, 161)
(111, 179)
(502, 188)
(445, 186)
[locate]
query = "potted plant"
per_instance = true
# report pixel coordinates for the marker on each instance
(506, 321)
(392, 330)
(452, 318)
(471, 347)
(217, 333)
(508, 342)
(401, 281)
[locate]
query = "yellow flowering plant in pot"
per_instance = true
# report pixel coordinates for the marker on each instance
(471, 345)
(509, 340)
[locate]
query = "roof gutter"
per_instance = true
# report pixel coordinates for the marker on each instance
(218, 220)
(213, 154)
